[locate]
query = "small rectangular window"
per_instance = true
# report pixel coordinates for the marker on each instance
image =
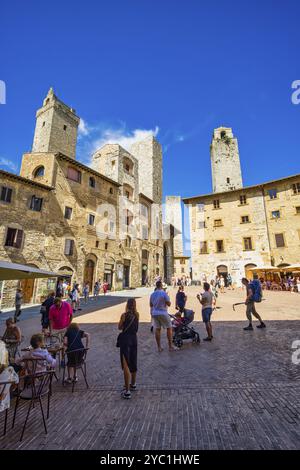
(245, 219)
(36, 204)
(275, 214)
(157, 258)
(5, 194)
(97, 244)
(145, 234)
(69, 247)
(279, 239)
(220, 246)
(74, 175)
(91, 219)
(298, 210)
(14, 237)
(247, 243)
(106, 246)
(65, 127)
(296, 188)
(243, 200)
(111, 191)
(218, 223)
(217, 204)
(228, 180)
(68, 212)
(272, 193)
(203, 248)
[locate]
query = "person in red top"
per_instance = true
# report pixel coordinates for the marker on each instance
(60, 316)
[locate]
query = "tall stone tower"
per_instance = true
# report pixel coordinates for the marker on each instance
(56, 127)
(149, 155)
(173, 216)
(225, 161)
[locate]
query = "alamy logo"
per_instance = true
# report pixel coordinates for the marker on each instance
(296, 93)
(2, 92)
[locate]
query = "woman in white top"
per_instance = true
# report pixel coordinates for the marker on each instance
(7, 374)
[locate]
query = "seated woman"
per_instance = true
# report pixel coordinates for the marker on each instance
(12, 338)
(73, 342)
(7, 374)
(37, 352)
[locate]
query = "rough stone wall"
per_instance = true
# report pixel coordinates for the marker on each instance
(56, 127)
(225, 161)
(288, 224)
(262, 229)
(181, 267)
(231, 232)
(149, 155)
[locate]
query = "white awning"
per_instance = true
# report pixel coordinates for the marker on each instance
(13, 271)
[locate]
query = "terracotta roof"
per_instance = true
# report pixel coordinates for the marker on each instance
(85, 168)
(25, 180)
(245, 188)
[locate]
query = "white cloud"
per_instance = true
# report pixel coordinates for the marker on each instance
(8, 164)
(83, 128)
(122, 137)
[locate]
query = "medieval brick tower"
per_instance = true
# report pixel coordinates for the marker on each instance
(225, 161)
(56, 127)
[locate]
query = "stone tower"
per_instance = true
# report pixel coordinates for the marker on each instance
(56, 127)
(149, 155)
(225, 161)
(173, 215)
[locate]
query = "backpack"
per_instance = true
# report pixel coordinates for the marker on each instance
(255, 286)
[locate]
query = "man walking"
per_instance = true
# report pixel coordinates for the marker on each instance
(251, 294)
(206, 300)
(159, 303)
(18, 304)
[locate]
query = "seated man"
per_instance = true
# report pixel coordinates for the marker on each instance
(38, 352)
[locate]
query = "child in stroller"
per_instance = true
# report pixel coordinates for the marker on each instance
(181, 329)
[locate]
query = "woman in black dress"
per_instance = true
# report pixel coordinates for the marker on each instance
(129, 323)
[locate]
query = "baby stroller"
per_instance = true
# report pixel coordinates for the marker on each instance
(182, 330)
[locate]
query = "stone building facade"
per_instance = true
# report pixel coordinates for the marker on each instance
(235, 229)
(84, 223)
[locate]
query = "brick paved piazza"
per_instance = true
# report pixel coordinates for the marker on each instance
(241, 391)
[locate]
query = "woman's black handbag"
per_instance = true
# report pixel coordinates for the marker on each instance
(122, 333)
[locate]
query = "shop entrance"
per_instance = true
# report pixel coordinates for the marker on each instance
(126, 278)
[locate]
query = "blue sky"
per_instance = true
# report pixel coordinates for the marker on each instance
(177, 68)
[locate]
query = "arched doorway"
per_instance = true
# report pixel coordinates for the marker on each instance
(248, 273)
(89, 271)
(222, 270)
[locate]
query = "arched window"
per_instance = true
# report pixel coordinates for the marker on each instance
(223, 134)
(39, 171)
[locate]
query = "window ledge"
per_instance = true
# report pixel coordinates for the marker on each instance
(242, 205)
(243, 223)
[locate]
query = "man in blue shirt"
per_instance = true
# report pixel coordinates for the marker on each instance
(159, 303)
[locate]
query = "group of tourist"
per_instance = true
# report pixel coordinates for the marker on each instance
(181, 281)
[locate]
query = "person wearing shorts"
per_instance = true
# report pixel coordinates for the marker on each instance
(206, 300)
(159, 303)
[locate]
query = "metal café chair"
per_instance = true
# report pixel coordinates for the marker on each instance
(4, 390)
(35, 385)
(77, 359)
